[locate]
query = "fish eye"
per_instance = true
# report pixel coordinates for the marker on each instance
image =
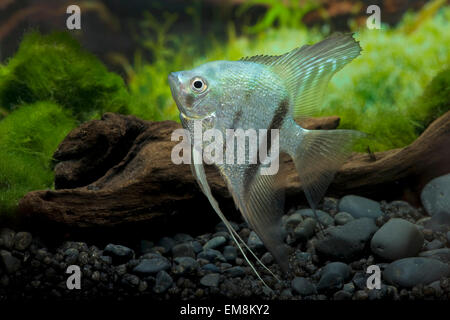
(198, 84)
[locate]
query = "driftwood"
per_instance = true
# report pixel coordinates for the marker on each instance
(118, 171)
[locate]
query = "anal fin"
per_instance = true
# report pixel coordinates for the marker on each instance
(317, 158)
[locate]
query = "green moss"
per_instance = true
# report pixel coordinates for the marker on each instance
(55, 68)
(28, 138)
(434, 102)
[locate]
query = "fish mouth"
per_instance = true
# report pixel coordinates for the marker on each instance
(197, 117)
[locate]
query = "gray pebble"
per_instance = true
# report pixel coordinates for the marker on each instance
(435, 244)
(215, 242)
(396, 239)
(130, 280)
(211, 268)
(211, 255)
(330, 282)
(342, 295)
(346, 242)
(337, 267)
(9, 262)
(22, 241)
(324, 217)
(342, 218)
(210, 280)
(166, 243)
(254, 242)
(292, 221)
(267, 258)
(183, 250)
(349, 287)
(305, 229)
(185, 265)
(163, 282)
(442, 254)
(360, 207)
(7, 237)
(303, 286)
(235, 272)
(230, 253)
(435, 195)
(120, 254)
(196, 246)
(151, 266)
(409, 272)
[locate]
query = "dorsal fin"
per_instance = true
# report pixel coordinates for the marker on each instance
(307, 70)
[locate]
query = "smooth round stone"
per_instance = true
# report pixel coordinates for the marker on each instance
(360, 207)
(409, 272)
(342, 218)
(397, 239)
(337, 267)
(324, 217)
(330, 282)
(230, 253)
(120, 254)
(305, 229)
(211, 255)
(167, 243)
(196, 246)
(435, 244)
(10, 263)
(267, 258)
(303, 256)
(254, 242)
(349, 287)
(342, 295)
(346, 242)
(440, 221)
(151, 266)
(210, 280)
(360, 280)
(303, 286)
(163, 282)
(7, 237)
(211, 268)
(435, 195)
(183, 250)
(22, 240)
(184, 265)
(235, 272)
(442, 254)
(215, 242)
(292, 221)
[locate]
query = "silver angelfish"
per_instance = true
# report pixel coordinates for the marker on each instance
(268, 92)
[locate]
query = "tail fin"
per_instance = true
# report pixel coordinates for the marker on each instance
(318, 156)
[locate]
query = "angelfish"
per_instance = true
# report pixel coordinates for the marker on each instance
(268, 92)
